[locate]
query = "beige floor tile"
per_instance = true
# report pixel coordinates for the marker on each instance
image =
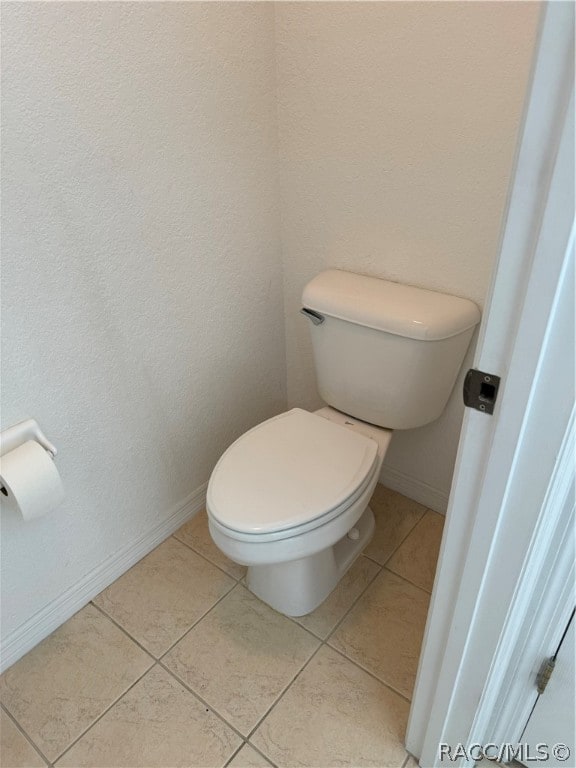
(158, 723)
(58, 689)
(410, 762)
(240, 657)
(395, 515)
(248, 758)
(158, 599)
(15, 750)
(416, 558)
(335, 714)
(323, 620)
(383, 632)
(195, 534)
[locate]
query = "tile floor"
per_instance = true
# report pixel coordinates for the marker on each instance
(177, 664)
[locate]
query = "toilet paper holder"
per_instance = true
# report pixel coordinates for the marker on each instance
(14, 436)
(18, 434)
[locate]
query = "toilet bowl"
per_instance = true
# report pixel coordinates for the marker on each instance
(289, 499)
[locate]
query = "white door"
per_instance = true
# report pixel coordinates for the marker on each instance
(504, 576)
(552, 720)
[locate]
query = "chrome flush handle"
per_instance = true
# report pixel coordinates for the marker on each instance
(316, 317)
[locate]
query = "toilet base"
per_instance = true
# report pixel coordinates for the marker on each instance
(297, 587)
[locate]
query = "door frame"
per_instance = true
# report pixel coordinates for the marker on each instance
(502, 489)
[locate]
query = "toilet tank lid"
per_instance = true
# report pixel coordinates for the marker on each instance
(403, 310)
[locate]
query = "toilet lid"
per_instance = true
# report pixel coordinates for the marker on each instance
(287, 471)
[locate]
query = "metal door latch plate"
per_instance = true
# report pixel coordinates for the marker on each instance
(481, 390)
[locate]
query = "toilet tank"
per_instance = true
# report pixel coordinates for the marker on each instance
(386, 353)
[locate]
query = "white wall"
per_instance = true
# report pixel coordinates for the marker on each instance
(398, 123)
(142, 299)
(143, 303)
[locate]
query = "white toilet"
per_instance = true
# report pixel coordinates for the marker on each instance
(289, 498)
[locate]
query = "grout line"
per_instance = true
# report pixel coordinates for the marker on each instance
(268, 760)
(343, 617)
(139, 644)
(372, 675)
(324, 639)
(205, 557)
(197, 696)
(23, 732)
(401, 542)
(233, 755)
(368, 672)
(101, 715)
(290, 618)
(321, 642)
(115, 701)
(125, 631)
(372, 560)
(159, 661)
(228, 592)
(247, 743)
(331, 632)
(311, 631)
(408, 581)
(221, 717)
(410, 756)
(281, 694)
(412, 529)
(300, 626)
(324, 642)
(353, 661)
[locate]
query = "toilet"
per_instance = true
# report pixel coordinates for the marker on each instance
(290, 498)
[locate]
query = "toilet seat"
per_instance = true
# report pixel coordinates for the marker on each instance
(288, 475)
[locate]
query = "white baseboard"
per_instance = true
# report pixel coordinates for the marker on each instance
(415, 489)
(45, 621)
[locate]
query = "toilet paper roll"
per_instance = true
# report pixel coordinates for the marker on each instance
(31, 480)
